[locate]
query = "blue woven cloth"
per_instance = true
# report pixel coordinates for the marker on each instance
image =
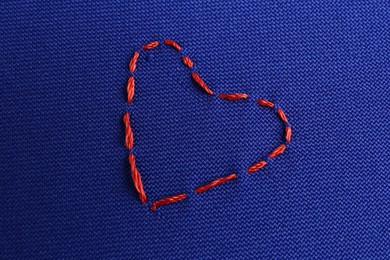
(65, 185)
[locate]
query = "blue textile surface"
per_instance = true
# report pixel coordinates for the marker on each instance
(65, 186)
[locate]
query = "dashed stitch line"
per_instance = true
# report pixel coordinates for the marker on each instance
(129, 138)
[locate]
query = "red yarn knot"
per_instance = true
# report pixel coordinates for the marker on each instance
(278, 151)
(129, 140)
(150, 45)
(234, 96)
(265, 103)
(201, 83)
(133, 62)
(136, 176)
(168, 200)
(215, 183)
(173, 44)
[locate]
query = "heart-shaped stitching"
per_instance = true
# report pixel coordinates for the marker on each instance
(129, 139)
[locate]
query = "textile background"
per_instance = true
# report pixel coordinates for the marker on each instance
(65, 185)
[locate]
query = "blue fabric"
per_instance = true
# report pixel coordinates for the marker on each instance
(65, 185)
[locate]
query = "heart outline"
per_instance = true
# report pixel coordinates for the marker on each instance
(129, 138)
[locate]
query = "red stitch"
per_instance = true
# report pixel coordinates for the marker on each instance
(201, 83)
(278, 151)
(256, 166)
(288, 133)
(136, 176)
(265, 103)
(188, 62)
(129, 140)
(130, 89)
(173, 44)
(150, 45)
(167, 201)
(133, 61)
(235, 96)
(215, 183)
(282, 115)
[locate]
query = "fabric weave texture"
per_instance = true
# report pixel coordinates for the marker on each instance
(65, 185)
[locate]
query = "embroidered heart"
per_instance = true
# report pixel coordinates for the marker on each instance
(129, 138)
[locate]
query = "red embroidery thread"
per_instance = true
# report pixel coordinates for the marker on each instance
(216, 182)
(133, 62)
(278, 151)
(265, 103)
(256, 166)
(188, 62)
(201, 83)
(282, 115)
(150, 45)
(173, 44)
(168, 200)
(137, 179)
(130, 89)
(288, 133)
(235, 96)
(129, 139)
